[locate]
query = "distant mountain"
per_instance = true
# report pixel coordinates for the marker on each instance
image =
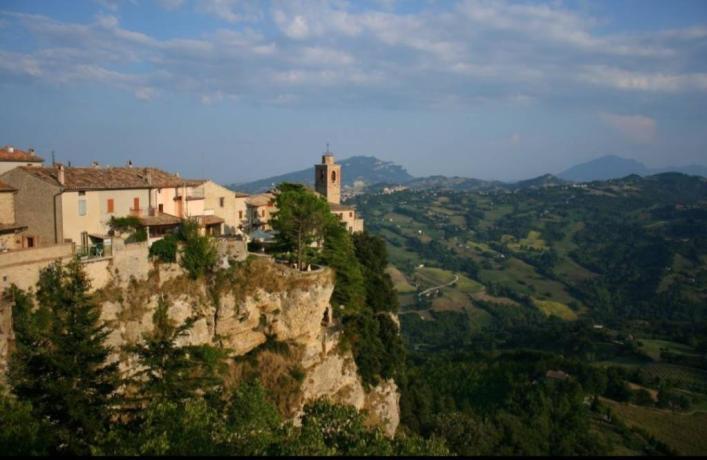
(613, 167)
(367, 169)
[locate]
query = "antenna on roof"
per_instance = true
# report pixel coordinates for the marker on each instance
(327, 148)
(53, 159)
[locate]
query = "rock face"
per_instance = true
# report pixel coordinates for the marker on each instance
(259, 302)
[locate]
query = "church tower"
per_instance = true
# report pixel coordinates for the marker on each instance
(327, 178)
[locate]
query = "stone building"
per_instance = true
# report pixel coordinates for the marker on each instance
(260, 209)
(10, 158)
(327, 182)
(63, 204)
(10, 230)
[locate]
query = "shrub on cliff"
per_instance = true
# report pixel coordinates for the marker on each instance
(199, 253)
(165, 250)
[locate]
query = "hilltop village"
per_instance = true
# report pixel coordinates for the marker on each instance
(57, 211)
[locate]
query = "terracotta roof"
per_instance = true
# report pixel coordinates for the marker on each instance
(108, 178)
(18, 155)
(159, 219)
(262, 199)
(210, 220)
(6, 188)
(13, 226)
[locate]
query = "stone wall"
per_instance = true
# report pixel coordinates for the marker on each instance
(7, 207)
(37, 206)
(22, 266)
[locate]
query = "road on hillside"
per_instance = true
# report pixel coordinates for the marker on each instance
(456, 278)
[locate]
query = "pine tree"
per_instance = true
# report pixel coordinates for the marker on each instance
(172, 372)
(60, 364)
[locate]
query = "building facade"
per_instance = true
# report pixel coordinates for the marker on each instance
(61, 204)
(11, 157)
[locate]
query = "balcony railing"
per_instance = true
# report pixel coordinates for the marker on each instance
(94, 251)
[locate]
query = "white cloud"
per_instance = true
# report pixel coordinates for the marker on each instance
(636, 128)
(644, 81)
(449, 55)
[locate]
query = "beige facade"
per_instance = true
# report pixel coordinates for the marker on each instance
(70, 204)
(241, 211)
(260, 209)
(88, 211)
(220, 201)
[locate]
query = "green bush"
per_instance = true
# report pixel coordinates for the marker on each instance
(165, 250)
(199, 253)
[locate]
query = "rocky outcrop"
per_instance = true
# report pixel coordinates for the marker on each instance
(249, 305)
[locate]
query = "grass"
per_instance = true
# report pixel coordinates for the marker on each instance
(558, 309)
(652, 347)
(686, 433)
(400, 282)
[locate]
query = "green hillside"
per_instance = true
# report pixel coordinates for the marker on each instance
(608, 279)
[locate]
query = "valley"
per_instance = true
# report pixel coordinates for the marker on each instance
(608, 278)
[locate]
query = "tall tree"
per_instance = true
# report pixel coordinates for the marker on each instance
(300, 220)
(60, 364)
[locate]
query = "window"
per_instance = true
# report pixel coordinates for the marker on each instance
(240, 214)
(161, 208)
(333, 176)
(111, 207)
(136, 204)
(350, 214)
(221, 201)
(262, 213)
(82, 203)
(30, 242)
(321, 175)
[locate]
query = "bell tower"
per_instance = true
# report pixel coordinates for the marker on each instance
(327, 178)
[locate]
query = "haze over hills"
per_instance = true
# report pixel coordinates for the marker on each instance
(372, 171)
(614, 167)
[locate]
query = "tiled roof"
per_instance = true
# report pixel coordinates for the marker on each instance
(18, 155)
(210, 220)
(262, 199)
(159, 219)
(109, 178)
(12, 226)
(6, 188)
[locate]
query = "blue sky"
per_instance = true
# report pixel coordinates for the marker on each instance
(237, 90)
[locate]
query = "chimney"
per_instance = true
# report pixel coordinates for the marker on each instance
(130, 163)
(31, 151)
(60, 174)
(148, 176)
(94, 164)
(10, 148)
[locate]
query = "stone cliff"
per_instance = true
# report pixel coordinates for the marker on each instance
(274, 321)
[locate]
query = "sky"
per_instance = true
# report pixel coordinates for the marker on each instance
(238, 90)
